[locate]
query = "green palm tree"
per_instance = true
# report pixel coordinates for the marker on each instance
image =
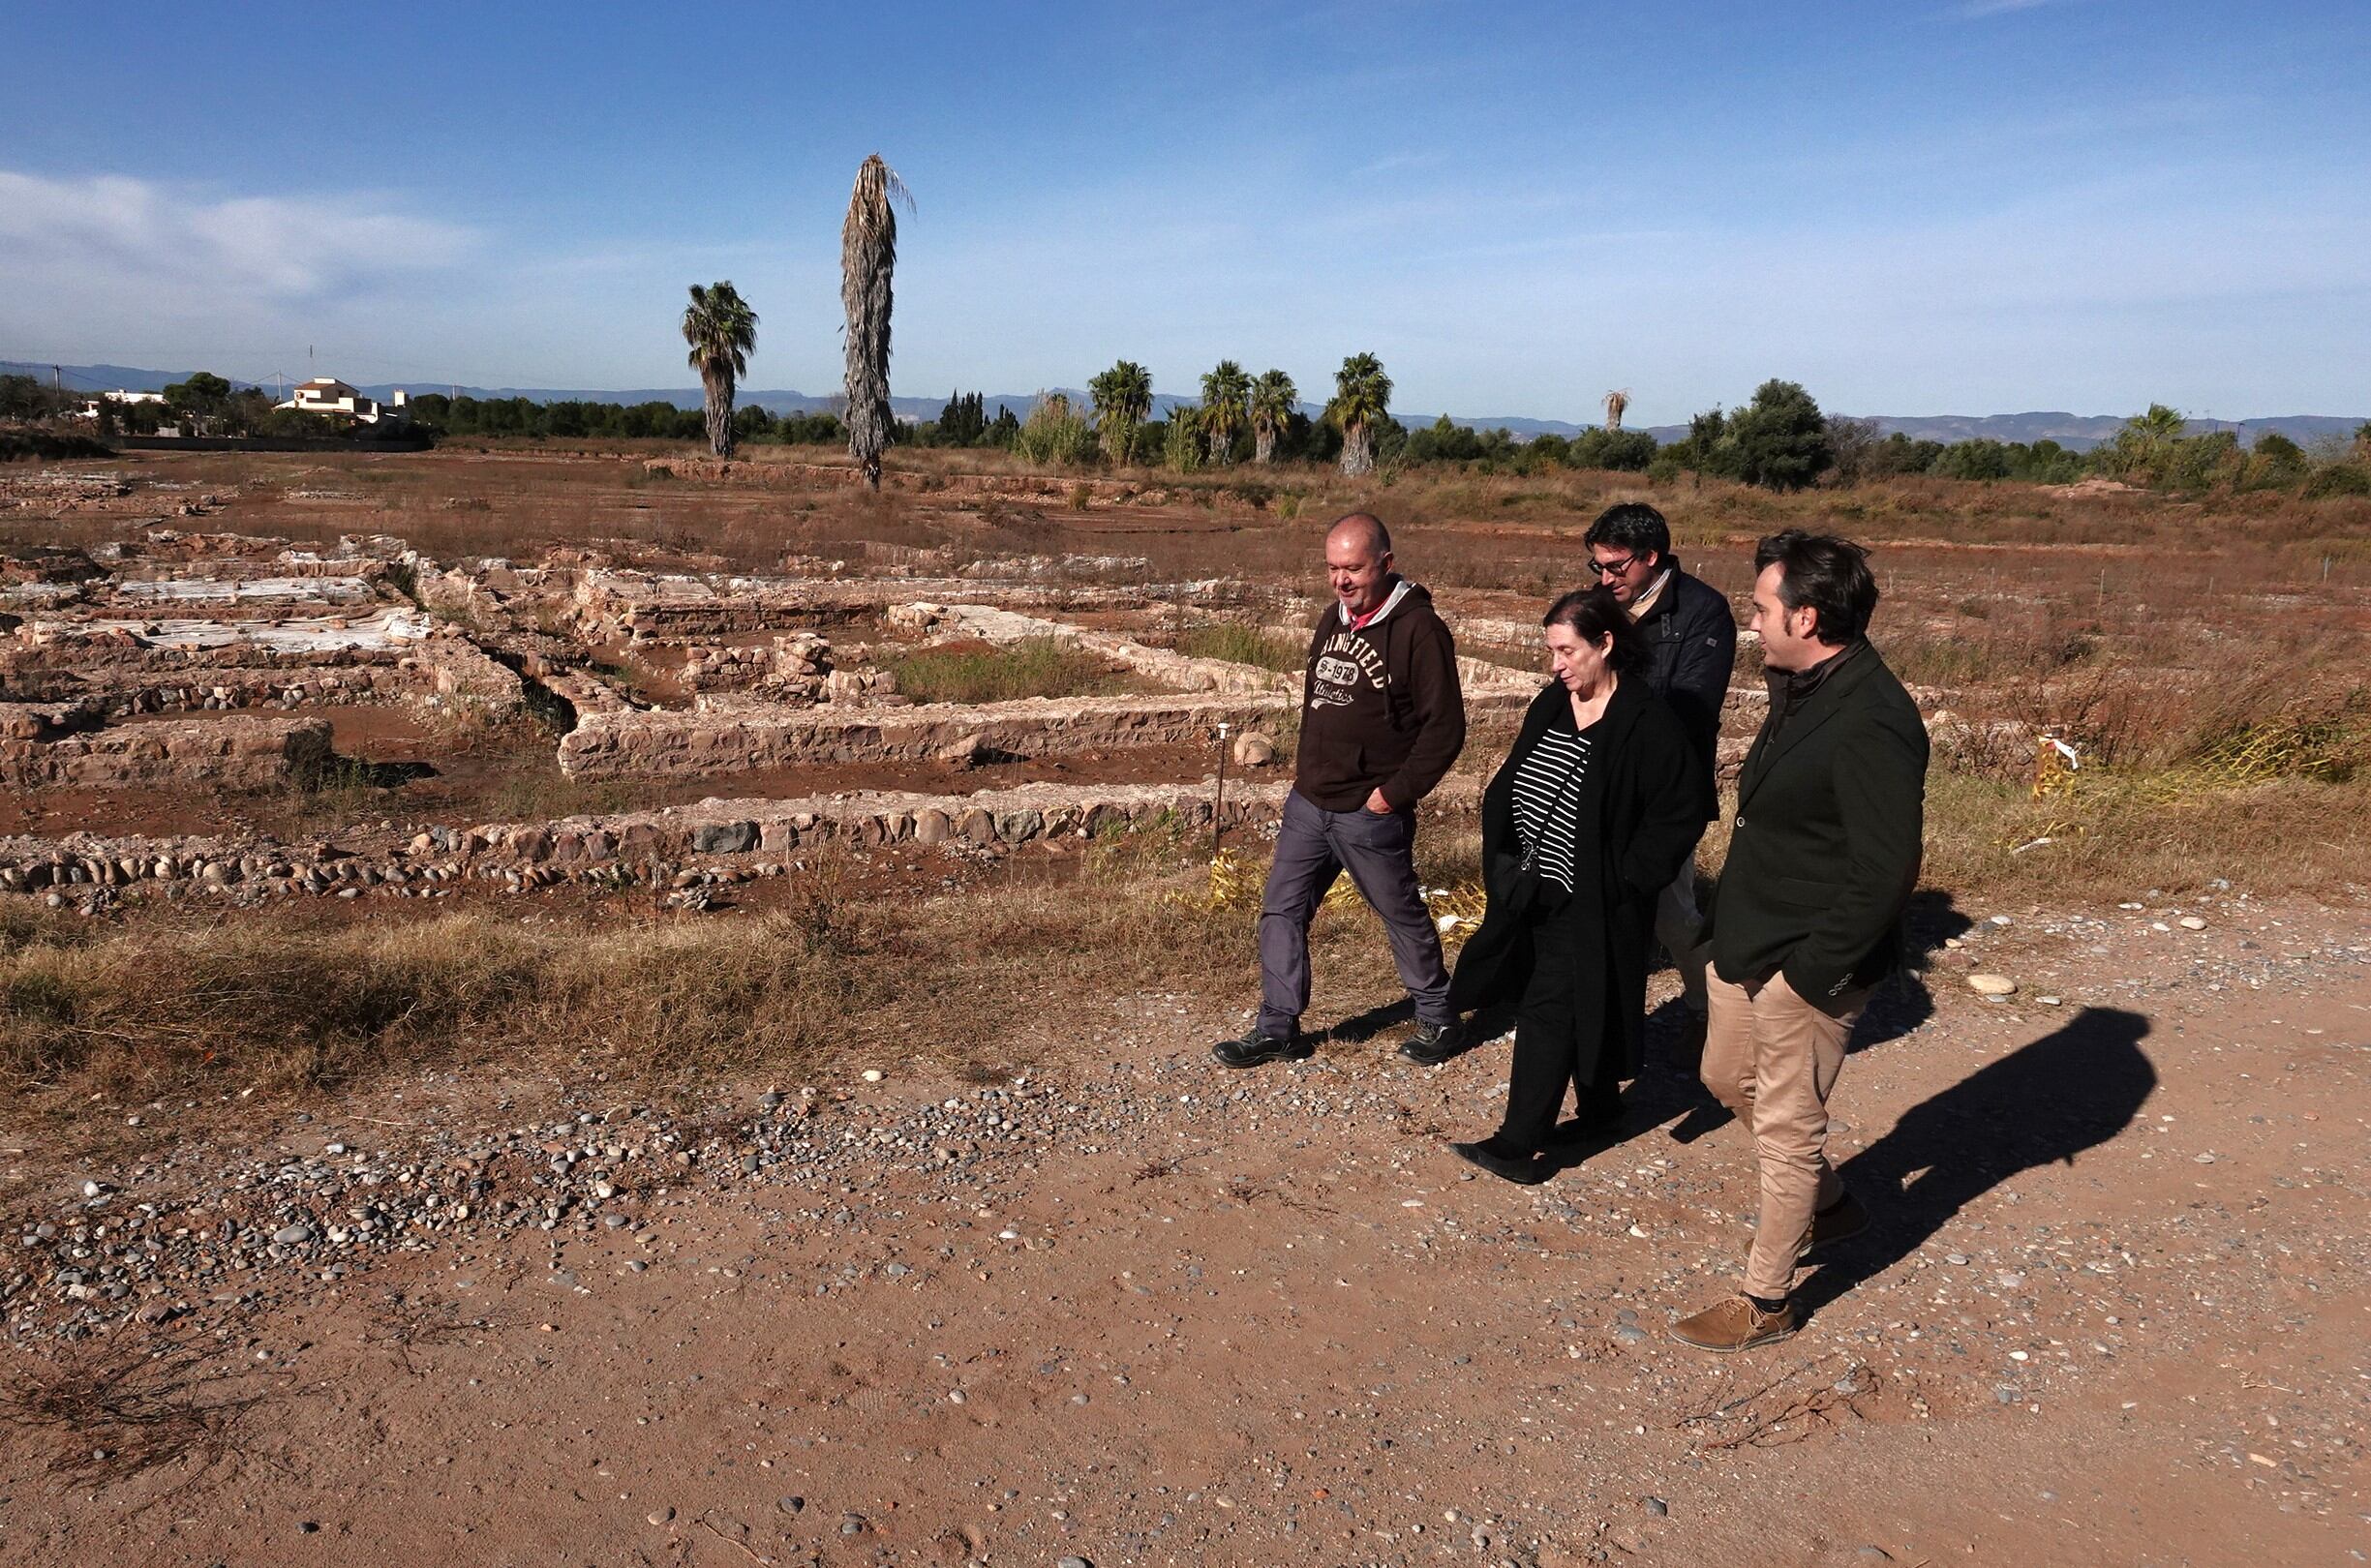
(1362, 396)
(1272, 402)
(722, 331)
(1226, 394)
(1123, 397)
(868, 256)
(2145, 441)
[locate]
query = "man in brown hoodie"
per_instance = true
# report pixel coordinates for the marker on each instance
(1382, 720)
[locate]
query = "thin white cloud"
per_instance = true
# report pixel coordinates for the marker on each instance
(131, 231)
(110, 264)
(1977, 10)
(112, 260)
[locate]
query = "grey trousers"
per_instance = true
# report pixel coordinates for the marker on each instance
(1315, 845)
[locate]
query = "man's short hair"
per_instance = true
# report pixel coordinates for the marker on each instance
(1829, 574)
(1633, 526)
(1373, 526)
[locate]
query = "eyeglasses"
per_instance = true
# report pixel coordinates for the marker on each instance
(1613, 568)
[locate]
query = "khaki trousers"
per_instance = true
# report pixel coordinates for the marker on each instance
(1772, 1057)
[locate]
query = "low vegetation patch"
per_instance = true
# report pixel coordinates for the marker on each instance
(1239, 643)
(986, 673)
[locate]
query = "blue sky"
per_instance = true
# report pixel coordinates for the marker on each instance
(1923, 206)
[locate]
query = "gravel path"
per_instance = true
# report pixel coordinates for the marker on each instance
(1138, 1310)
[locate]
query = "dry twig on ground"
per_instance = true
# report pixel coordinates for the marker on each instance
(109, 1416)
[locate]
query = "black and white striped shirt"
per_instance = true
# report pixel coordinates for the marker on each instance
(1547, 803)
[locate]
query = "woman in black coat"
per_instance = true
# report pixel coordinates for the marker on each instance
(1584, 822)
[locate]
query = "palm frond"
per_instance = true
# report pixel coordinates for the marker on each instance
(722, 330)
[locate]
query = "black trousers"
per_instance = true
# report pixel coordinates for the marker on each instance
(1564, 1035)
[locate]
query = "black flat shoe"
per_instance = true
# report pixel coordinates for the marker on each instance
(1509, 1166)
(1430, 1044)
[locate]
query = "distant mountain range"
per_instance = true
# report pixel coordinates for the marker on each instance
(2075, 431)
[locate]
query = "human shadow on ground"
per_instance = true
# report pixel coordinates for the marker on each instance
(2068, 1091)
(1357, 1031)
(1903, 1002)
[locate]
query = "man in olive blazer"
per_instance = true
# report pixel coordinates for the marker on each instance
(1823, 855)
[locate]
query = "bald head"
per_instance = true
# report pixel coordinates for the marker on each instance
(1366, 529)
(1358, 561)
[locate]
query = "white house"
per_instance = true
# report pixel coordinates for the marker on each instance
(90, 409)
(327, 395)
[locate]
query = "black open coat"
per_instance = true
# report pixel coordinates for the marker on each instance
(1653, 802)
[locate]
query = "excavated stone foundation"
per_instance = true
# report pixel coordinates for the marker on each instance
(727, 734)
(239, 752)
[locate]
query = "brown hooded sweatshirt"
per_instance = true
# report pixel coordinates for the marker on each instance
(1380, 707)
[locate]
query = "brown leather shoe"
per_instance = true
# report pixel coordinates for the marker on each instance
(1841, 1220)
(1735, 1325)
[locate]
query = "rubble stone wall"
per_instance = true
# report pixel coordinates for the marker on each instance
(716, 836)
(123, 675)
(239, 752)
(723, 737)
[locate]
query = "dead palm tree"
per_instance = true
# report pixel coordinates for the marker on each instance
(722, 330)
(1226, 394)
(868, 254)
(1273, 399)
(1617, 403)
(1362, 395)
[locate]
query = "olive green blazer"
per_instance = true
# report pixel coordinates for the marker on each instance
(1824, 851)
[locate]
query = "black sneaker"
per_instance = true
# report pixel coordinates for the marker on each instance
(1429, 1044)
(1505, 1163)
(1256, 1047)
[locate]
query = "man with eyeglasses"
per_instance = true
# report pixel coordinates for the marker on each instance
(1691, 634)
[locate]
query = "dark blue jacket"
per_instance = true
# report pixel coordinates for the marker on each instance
(1691, 634)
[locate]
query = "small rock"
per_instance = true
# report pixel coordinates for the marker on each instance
(1992, 984)
(295, 1235)
(1658, 1508)
(661, 1515)
(792, 1505)
(1073, 1562)
(2191, 923)
(873, 1074)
